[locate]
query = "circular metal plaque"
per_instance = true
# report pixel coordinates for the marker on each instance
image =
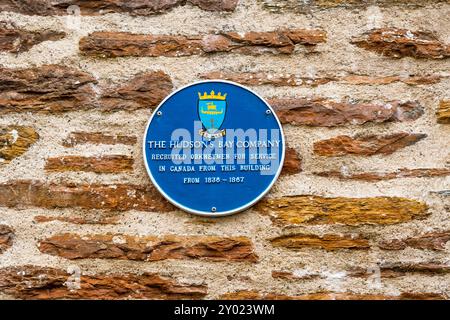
(213, 148)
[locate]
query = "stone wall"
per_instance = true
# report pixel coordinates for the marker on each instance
(361, 210)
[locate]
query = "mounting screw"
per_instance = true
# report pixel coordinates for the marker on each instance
(159, 113)
(268, 111)
(213, 209)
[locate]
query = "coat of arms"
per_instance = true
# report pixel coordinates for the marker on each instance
(211, 109)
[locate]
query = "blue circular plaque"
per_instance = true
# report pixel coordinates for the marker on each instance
(213, 148)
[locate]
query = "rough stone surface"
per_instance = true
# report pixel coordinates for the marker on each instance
(46, 89)
(443, 113)
(288, 275)
(86, 106)
(85, 218)
(33, 282)
(329, 242)
(398, 43)
(72, 246)
(120, 197)
(428, 241)
(326, 113)
(411, 80)
(254, 295)
(443, 193)
(292, 162)
(282, 6)
(103, 164)
(366, 145)
(15, 141)
(143, 91)
(122, 44)
(56, 89)
(402, 269)
(380, 176)
(97, 7)
(293, 80)
(97, 138)
(350, 211)
(6, 237)
(19, 40)
(383, 270)
(262, 78)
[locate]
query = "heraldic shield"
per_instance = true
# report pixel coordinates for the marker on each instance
(212, 109)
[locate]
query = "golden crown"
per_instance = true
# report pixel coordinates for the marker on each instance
(212, 96)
